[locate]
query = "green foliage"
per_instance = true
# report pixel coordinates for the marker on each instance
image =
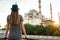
(39, 30)
(34, 29)
(3, 29)
(57, 32)
(42, 30)
(49, 30)
(29, 28)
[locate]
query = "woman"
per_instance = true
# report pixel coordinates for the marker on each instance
(15, 24)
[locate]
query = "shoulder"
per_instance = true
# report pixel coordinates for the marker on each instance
(8, 16)
(20, 15)
(21, 18)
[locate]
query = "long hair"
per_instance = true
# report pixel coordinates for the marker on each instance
(14, 18)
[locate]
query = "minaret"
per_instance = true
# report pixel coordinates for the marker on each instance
(51, 17)
(40, 16)
(39, 6)
(59, 18)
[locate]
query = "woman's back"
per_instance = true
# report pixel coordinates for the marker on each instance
(15, 30)
(15, 24)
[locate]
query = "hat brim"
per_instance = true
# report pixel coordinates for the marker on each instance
(14, 9)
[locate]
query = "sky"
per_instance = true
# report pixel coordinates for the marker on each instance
(26, 5)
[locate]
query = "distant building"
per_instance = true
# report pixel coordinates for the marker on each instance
(48, 22)
(33, 17)
(36, 18)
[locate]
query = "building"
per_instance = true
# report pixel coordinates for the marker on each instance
(36, 18)
(33, 17)
(49, 21)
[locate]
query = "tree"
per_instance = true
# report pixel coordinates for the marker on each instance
(50, 29)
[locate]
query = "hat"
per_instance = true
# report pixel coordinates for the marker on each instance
(14, 7)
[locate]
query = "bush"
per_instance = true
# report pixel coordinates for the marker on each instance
(49, 30)
(57, 33)
(34, 29)
(29, 29)
(3, 29)
(41, 30)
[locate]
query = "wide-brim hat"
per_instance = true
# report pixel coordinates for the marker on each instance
(14, 7)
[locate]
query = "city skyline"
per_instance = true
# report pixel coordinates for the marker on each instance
(26, 5)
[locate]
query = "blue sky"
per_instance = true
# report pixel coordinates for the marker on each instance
(26, 5)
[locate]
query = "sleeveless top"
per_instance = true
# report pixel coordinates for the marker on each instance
(15, 30)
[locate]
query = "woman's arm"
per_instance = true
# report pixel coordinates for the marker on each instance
(7, 28)
(23, 29)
